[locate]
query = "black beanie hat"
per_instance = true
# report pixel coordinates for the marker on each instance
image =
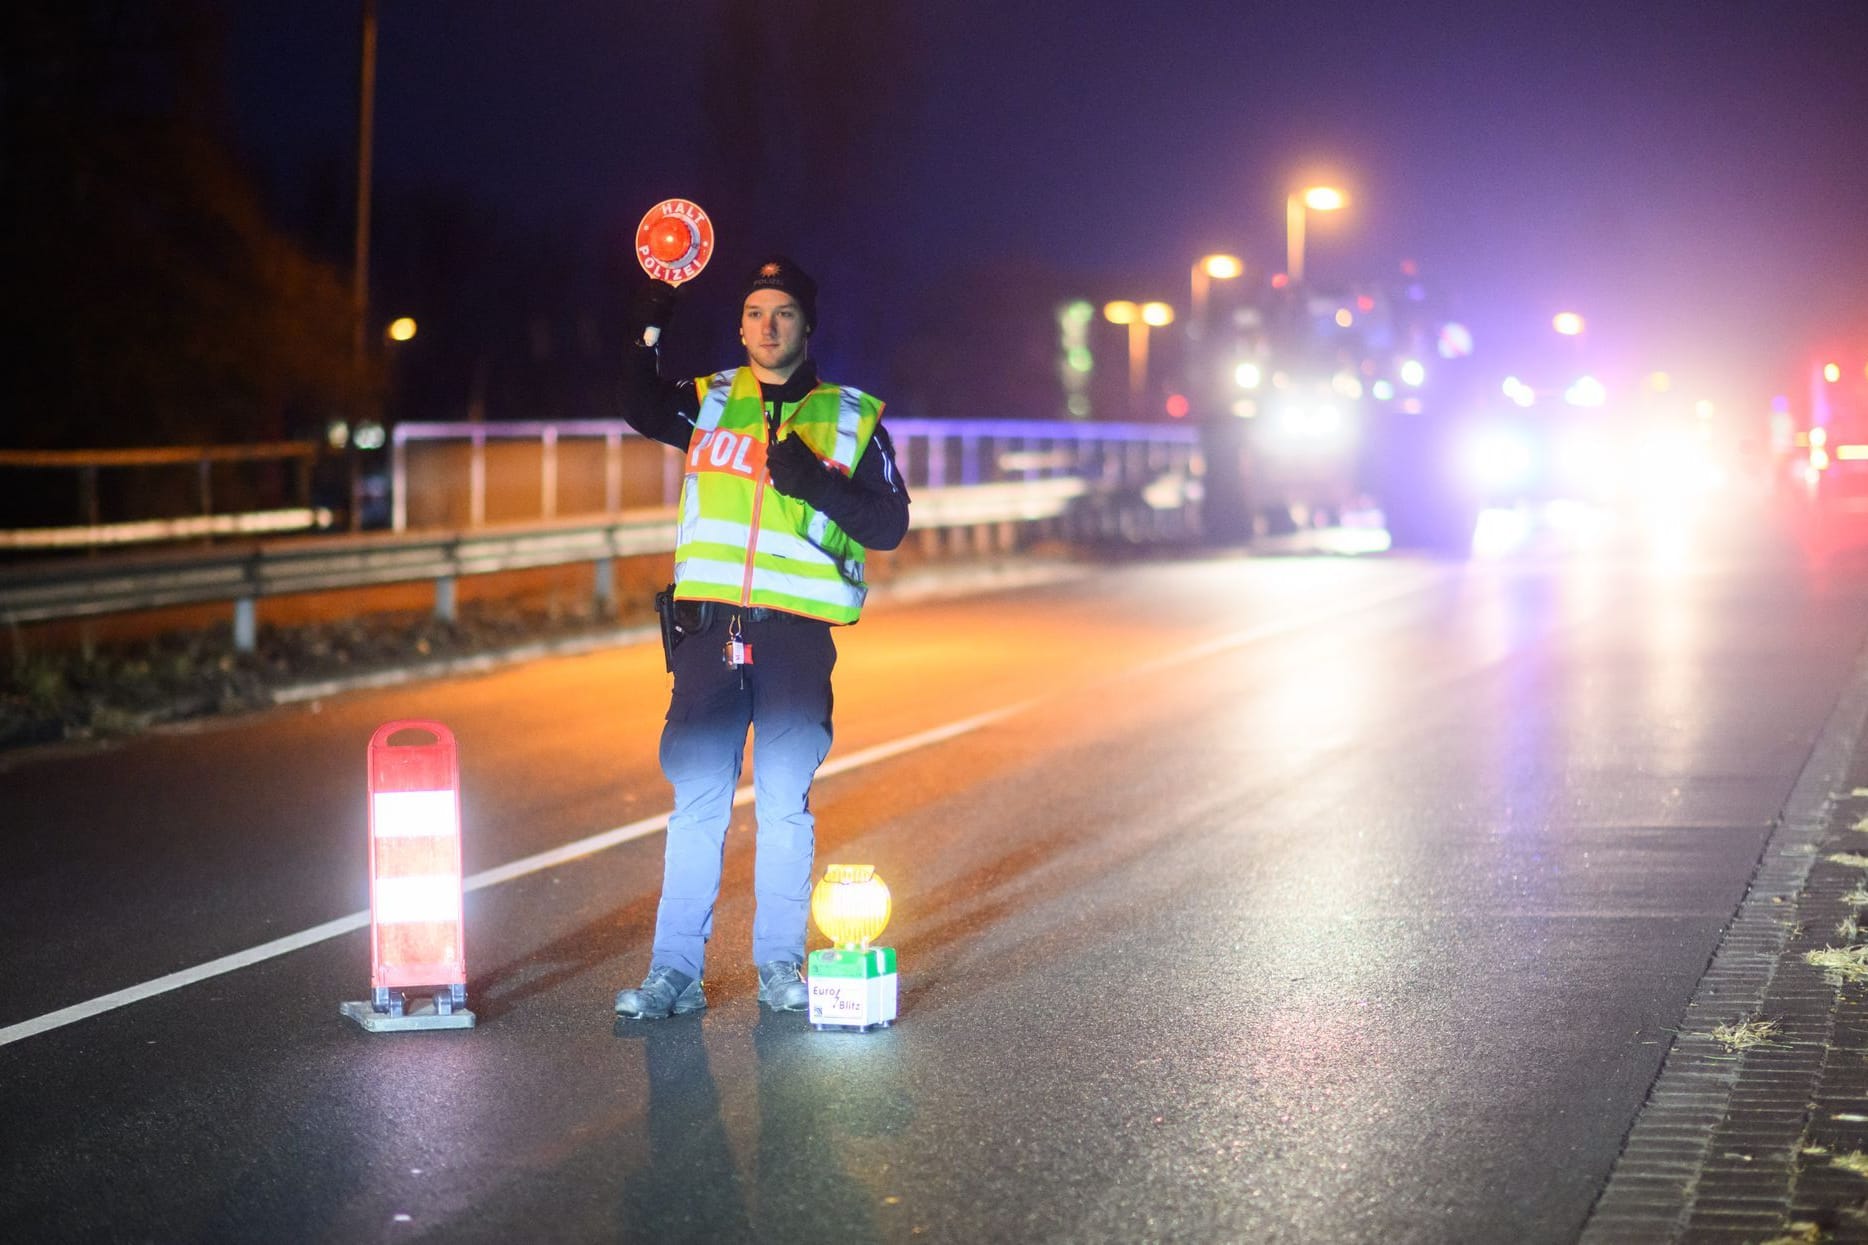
(779, 273)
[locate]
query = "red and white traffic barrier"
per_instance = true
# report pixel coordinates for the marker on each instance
(417, 938)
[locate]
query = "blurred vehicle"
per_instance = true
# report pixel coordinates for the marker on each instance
(351, 478)
(1828, 463)
(1351, 401)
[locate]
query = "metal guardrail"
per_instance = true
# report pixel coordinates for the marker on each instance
(203, 458)
(93, 587)
(158, 531)
(1046, 483)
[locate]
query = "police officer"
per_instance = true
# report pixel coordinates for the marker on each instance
(790, 479)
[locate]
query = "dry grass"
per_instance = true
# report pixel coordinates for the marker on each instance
(124, 689)
(1847, 963)
(1854, 1162)
(1848, 929)
(1745, 1034)
(1857, 898)
(1853, 860)
(1799, 1232)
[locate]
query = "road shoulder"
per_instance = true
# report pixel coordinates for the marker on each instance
(1761, 1106)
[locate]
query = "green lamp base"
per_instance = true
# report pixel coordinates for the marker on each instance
(853, 990)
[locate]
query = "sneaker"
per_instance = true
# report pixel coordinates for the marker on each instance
(664, 992)
(780, 987)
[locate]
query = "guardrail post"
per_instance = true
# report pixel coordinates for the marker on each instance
(548, 473)
(447, 598)
(604, 585)
(246, 624)
(476, 480)
(612, 471)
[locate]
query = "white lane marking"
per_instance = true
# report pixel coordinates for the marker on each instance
(648, 825)
(185, 977)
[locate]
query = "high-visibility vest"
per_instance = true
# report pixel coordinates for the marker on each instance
(742, 541)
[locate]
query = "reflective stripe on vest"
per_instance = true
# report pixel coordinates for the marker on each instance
(743, 542)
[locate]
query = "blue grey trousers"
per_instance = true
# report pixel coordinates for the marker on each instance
(784, 697)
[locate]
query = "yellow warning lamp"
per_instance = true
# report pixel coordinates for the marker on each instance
(851, 905)
(853, 985)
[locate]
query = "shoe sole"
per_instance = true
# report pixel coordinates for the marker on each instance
(781, 1007)
(677, 1010)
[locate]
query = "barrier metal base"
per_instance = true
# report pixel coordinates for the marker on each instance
(420, 1014)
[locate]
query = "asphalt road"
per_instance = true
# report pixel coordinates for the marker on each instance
(1283, 899)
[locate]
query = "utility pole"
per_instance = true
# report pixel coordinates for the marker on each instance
(366, 110)
(360, 268)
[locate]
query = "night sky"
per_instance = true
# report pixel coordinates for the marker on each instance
(1692, 177)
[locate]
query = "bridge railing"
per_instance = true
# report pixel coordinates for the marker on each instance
(469, 474)
(1100, 480)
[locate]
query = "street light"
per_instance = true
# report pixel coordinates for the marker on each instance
(1567, 323)
(1210, 268)
(401, 329)
(1314, 199)
(1139, 318)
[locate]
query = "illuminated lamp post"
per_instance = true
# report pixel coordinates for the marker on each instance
(1139, 318)
(1314, 199)
(369, 434)
(1207, 270)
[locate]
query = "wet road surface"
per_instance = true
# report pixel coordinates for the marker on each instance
(1308, 899)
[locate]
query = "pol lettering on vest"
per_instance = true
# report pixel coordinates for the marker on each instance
(722, 450)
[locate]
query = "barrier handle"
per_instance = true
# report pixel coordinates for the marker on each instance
(380, 739)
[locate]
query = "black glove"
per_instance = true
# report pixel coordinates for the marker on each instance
(796, 471)
(651, 306)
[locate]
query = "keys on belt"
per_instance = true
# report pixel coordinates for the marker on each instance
(738, 651)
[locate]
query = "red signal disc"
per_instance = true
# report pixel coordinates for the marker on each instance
(674, 241)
